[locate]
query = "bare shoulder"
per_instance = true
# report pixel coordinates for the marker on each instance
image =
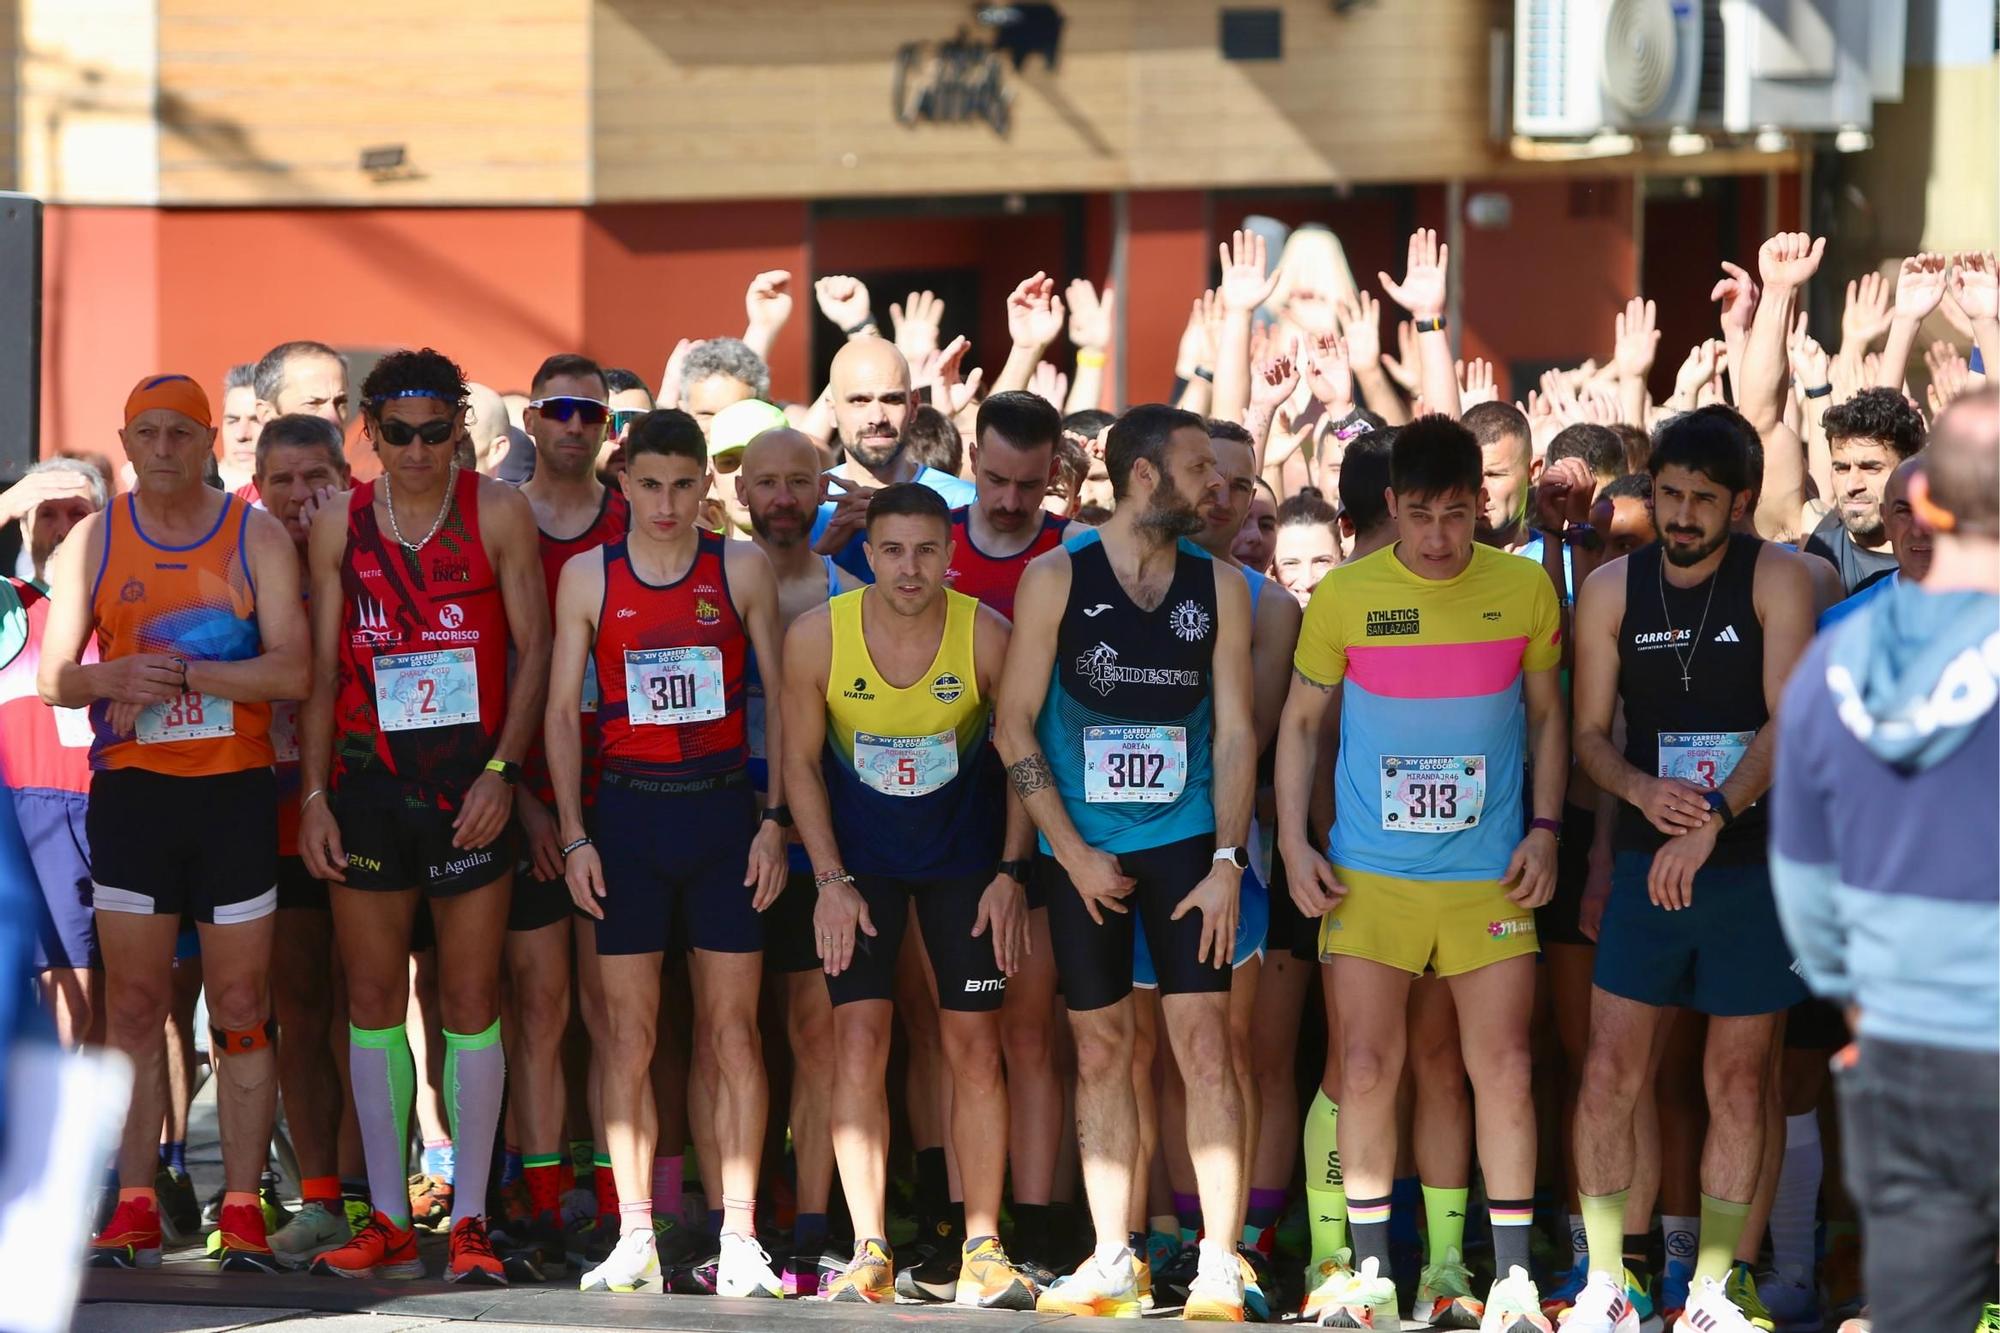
(1606, 584)
(1044, 584)
(504, 503)
(1785, 572)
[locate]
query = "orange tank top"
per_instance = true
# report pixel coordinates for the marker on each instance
(197, 602)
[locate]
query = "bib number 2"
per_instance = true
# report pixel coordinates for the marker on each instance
(417, 691)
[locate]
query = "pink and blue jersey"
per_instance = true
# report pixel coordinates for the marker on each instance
(1431, 776)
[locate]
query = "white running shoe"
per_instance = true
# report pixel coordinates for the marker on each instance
(1216, 1294)
(1602, 1307)
(1709, 1310)
(632, 1265)
(314, 1230)
(1513, 1305)
(745, 1270)
(1367, 1301)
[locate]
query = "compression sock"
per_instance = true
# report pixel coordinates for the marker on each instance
(1722, 1224)
(1444, 1220)
(604, 1185)
(666, 1185)
(1792, 1211)
(543, 1173)
(1261, 1215)
(1326, 1192)
(1511, 1219)
(385, 1082)
(475, 1076)
(1368, 1221)
(1604, 1230)
(1187, 1207)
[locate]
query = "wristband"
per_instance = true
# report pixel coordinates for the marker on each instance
(569, 847)
(1089, 358)
(1554, 826)
(508, 773)
(868, 323)
(1203, 373)
(1435, 324)
(832, 877)
(307, 799)
(781, 815)
(1821, 392)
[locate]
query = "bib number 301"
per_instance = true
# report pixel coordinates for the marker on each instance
(1142, 765)
(1433, 793)
(669, 687)
(186, 717)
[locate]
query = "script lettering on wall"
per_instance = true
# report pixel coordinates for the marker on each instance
(964, 78)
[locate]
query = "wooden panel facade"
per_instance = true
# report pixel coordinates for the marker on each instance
(88, 71)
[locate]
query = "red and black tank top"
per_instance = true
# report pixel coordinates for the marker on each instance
(670, 661)
(614, 518)
(993, 579)
(423, 652)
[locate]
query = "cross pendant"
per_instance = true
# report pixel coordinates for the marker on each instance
(1684, 682)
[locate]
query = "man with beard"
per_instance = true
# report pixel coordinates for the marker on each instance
(1126, 722)
(1868, 436)
(1696, 636)
(872, 406)
(1507, 476)
(778, 486)
(1908, 538)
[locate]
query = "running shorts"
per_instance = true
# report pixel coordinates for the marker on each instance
(1094, 962)
(1723, 954)
(399, 837)
(1253, 922)
(53, 823)
(1447, 926)
(167, 845)
(674, 856)
(968, 979)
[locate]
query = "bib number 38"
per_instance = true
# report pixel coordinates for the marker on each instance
(186, 717)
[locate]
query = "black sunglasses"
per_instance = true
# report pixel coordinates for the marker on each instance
(621, 419)
(588, 410)
(400, 433)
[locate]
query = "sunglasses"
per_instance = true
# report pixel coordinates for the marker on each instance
(620, 420)
(400, 433)
(588, 410)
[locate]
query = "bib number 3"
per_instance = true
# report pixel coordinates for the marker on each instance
(1702, 759)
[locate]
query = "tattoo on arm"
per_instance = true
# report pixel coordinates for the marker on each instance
(1030, 775)
(1303, 679)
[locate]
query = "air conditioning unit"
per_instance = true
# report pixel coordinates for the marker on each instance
(1802, 65)
(1582, 67)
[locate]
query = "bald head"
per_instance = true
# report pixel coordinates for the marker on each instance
(780, 487)
(486, 425)
(1962, 464)
(872, 403)
(780, 449)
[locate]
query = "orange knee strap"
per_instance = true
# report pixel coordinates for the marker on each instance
(222, 1042)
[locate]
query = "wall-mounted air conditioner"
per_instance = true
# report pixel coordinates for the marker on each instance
(1582, 67)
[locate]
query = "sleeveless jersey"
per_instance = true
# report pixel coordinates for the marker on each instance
(671, 661)
(755, 706)
(41, 748)
(1127, 723)
(197, 602)
(614, 517)
(910, 778)
(423, 653)
(989, 578)
(1698, 733)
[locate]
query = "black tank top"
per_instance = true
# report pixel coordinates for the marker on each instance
(1699, 730)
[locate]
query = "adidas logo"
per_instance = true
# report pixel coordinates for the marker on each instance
(1729, 635)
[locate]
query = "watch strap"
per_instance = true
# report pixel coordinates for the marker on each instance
(1554, 826)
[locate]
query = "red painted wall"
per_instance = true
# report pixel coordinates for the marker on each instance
(1169, 259)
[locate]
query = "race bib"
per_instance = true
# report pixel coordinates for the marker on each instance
(670, 687)
(415, 691)
(590, 684)
(73, 728)
(1143, 765)
(906, 765)
(1702, 759)
(285, 731)
(189, 717)
(1432, 793)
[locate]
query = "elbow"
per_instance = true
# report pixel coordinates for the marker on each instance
(49, 687)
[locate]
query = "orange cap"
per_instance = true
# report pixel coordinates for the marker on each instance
(177, 393)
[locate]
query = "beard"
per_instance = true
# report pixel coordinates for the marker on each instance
(1169, 514)
(788, 536)
(875, 452)
(1693, 555)
(1864, 529)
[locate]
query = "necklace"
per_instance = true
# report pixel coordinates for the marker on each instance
(444, 511)
(1687, 662)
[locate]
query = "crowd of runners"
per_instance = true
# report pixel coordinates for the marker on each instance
(1322, 844)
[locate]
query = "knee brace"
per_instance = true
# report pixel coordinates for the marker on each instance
(243, 1041)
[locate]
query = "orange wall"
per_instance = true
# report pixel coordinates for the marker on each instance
(100, 322)
(1169, 259)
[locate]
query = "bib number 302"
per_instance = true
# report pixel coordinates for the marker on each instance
(1134, 765)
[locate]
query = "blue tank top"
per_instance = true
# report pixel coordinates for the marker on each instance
(753, 721)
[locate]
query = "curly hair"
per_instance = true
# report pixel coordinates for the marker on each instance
(731, 358)
(1879, 415)
(407, 373)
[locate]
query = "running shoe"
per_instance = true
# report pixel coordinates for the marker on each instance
(588, 1241)
(1217, 1293)
(1110, 1290)
(1366, 1300)
(1794, 1306)
(867, 1279)
(988, 1280)
(633, 1265)
(180, 1211)
(1171, 1283)
(1324, 1282)
(1712, 1309)
(1675, 1279)
(1514, 1306)
(313, 1230)
(679, 1243)
(131, 1239)
(1989, 1318)
(1604, 1306)
(1444, 1295)
(578, 1205)
(430, 1200)
(1563, 1295)
(276, 1215)
(470, 1257)
(809, 1273)
(1255, 1270)
(243, 1246)
(1741, 1287)
(933, 1278)
(379, 1249)
(1142, 1282)
(696, 1277)
(745, 1269)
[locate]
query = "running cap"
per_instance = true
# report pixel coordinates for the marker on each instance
(176, 393)
(732, 429)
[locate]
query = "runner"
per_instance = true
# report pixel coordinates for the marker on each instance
(300, 469)
(1866, 436)
(409, 750)
(193, 599)
(905, 771)
(1307, 545)
(568, 419)
(1428, 868)
(1126, 723)
(681, 858)
(778, 487)
(1695, 637)
(1258, 542)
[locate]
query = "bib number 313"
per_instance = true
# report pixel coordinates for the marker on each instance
(669, 687)
(1127, 765)
(1433, 793)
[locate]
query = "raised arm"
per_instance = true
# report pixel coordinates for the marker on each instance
(1786, 263)
(1244, 286)
(1920, 286)
(1091, 322)
(767, 305)
(1422, 292)
(1034, 320)
(1975, 286)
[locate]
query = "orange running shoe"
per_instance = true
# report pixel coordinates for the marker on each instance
(379, 1249)
(472, 1258)
(131, 1239)
(244, 1246)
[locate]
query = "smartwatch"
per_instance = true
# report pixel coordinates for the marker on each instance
(1015, 870)
(1236, 856)
(1718, 803)
(510, 773)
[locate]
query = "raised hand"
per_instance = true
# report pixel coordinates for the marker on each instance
(1865, 317)
(1274, 380)
(1920, 286)
(948, 394)
(1361, 326)
(1034, 312)
(1789, 259)
(1422, 290)
(1329, 374)
(1738, 293)
(1245, 285)
(1475, 382)
(844, 301)
(1975, 286)
(1701, 365)
(1406, 367)
(1809, 364)
(670, 378)
(768, 300)
(1212, 316)
(916, 323)
(1090, 315)
(1050, 383)
(1192, 352)
(1635, 340)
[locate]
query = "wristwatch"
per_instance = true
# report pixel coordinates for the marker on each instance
(1015, 870)
(1720, 804)
(510, 773)
(1236, 856)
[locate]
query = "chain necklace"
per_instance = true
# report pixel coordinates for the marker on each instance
(444, 511)
(1687, 662)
